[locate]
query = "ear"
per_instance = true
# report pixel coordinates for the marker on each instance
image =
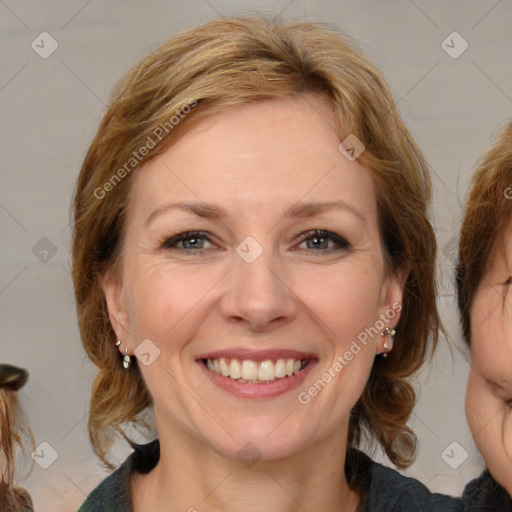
(392, 297)
(117, 311)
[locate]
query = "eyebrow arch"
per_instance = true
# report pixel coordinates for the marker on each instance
(296, 211)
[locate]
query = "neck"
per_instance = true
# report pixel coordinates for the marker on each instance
(192, 477)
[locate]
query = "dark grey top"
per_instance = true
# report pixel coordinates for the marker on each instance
(484, 494)
(383, 489)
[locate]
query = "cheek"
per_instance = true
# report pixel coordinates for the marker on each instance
(499, 460)
(481, 415)
(163, 295)
(507, 438)
(347, 298)
(490, 422)
(471, 403)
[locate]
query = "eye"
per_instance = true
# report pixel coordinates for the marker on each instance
(192, 240)
(508, 281)
(320, 240)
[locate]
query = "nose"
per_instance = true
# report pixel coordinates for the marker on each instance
(258, 294)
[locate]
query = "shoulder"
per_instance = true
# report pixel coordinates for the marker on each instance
(387, 490)
(484, 494)
(113, 490)
(113, 493)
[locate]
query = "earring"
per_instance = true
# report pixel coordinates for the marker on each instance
(126, 360)
(388, 344)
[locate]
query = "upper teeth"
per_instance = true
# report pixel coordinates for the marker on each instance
(248, 370)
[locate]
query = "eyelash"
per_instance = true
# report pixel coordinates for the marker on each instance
(170, 243)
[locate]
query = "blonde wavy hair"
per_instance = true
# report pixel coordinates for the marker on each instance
(216, 66)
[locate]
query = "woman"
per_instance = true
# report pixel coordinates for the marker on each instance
(483, 281)
(251, 233)
(13, 428)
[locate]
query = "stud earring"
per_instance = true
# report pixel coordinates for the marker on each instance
(388, 344)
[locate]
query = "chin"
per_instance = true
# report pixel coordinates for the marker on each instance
(268, 439)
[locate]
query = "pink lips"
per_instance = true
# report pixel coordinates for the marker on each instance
(262, 390)
(257, 355)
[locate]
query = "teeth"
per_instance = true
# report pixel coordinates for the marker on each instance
(249, 370)
(224, 370)
(280, 369)
(253, 372)
(235, 372)
(266, 371)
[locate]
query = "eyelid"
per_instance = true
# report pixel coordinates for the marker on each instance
(340, 241)
(170, 242)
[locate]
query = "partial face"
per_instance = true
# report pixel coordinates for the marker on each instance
(489, 391)
(254, 292)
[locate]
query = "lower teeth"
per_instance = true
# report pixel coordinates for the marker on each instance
(244, 381)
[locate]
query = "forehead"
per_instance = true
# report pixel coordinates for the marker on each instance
(255, 154)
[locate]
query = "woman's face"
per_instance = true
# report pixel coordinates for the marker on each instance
(489, 391)
(253, 289)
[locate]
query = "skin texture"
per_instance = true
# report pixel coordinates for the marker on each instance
(255, 161)
(489, 391)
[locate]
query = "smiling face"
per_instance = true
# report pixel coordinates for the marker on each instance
(253, 292)
(489, 391)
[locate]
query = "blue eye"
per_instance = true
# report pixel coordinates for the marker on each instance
(319, 237)
(193, 241)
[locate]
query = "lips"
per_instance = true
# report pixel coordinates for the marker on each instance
(258, 355)
(264, 368)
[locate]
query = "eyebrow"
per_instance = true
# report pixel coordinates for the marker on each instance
(296, 211)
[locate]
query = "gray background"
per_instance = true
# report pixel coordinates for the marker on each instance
(50, 108)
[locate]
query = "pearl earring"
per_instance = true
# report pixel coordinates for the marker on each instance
(126, 359)
(388, 344)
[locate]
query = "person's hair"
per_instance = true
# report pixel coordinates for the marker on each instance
(13, 429)
(487, 214)
(210, 69)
